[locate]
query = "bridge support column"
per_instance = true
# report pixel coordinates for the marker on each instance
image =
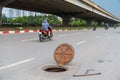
(1, 15)
(99, 23)
(111, 24)
(66, 20)
(88, 22)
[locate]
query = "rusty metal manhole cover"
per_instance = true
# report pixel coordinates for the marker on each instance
(63, 54)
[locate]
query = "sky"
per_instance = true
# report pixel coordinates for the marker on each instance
(112, 6)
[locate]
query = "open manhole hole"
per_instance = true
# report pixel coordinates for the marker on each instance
(55, 69)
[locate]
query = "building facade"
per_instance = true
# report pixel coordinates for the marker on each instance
(10, 12)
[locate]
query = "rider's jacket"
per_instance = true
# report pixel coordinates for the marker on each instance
(45, 25)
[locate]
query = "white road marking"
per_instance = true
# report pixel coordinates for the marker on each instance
(81, 42)
(15, 64)
(29, 39)
(97, 36)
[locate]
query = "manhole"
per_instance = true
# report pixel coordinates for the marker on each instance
(63, 54)
(54, 69)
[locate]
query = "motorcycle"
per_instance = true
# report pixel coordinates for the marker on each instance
(94, 28)
(106, 28)
(43, 35)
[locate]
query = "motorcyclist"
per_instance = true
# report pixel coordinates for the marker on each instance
(46, 27)
(106, 26)
(114, 26)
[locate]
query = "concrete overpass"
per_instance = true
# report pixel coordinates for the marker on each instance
(83, 9)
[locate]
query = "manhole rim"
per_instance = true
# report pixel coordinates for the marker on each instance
(52, 66)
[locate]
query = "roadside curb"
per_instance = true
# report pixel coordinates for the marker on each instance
(17, 31)
(29, 31)
(20, 31)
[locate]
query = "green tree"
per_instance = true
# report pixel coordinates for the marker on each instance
(19, 19)
(83, 23)
(52, 19)
(94, 23)
(25, 20)
(4, 19)
(10, 20)
(75, 22)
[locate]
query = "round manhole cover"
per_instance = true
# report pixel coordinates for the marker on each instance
(63, 54)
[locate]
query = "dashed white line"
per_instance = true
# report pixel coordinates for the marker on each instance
(81, 42)
(15, 64)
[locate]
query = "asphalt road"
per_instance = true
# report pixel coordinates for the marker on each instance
(22, 55)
